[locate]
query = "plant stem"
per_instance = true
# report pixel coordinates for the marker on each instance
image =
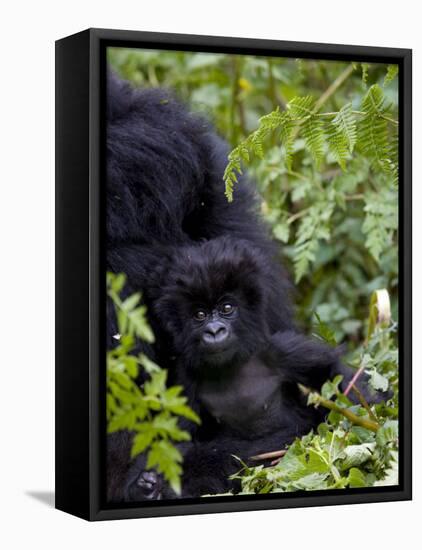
(354, 380)
(297, 216)
(271, 454)
(327, 94)
(333, 87)
(236, 104)
(357, 197)
(352, 417)
(389, 119)
(363, 402)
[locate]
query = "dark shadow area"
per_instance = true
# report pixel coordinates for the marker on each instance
(46, 497)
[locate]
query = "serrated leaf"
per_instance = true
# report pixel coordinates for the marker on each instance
(142, 441)
(281, 232)
(156, 384)
(356, 478)
(331, 388)
(166, 459)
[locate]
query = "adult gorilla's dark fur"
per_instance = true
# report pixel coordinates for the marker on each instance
(166, 209)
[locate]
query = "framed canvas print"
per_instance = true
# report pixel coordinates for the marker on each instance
(233, 274)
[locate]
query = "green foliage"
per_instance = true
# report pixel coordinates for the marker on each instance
(392, 72)
(374, 136)
(150, 410)
(322, 213)
(320, 139)
(357, 446)
(342, 135)
(366, 128)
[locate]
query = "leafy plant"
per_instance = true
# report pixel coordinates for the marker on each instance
(357, 446)
(150, 410)
(319, 139)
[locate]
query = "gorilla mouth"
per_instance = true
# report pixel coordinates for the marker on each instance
(218, 354)
(216, 350)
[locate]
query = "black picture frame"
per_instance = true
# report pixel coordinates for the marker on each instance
(80, 280)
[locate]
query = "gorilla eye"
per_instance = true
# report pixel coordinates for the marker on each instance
(200, 315)
(227, 309)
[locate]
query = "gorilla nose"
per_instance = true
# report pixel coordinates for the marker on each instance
(215, 333)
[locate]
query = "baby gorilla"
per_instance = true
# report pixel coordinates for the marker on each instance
(241, 379)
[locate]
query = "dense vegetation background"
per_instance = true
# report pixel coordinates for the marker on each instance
(319, 139)
(337, 221)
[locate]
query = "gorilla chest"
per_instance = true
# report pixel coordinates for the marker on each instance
(247, 401)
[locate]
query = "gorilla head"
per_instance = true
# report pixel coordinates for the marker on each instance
(213, 302)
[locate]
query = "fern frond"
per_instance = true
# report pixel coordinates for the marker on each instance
(300, 107)
(311, 125)
(365, 68)
(392, 71)
(313, 134)
(381, 221)
(313, 228)
(338, 146)
(254, 145)
(282, 121)
(345, 124)
(342, 135)
(373, 131)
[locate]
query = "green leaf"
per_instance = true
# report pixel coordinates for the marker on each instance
(356, 478)
(373, 133)
(156, 384)
(142, 441)
(166, 459)
(377, 381)
(312, 482)
(388, 433)
(281, 232)
(166, 426)
(342, 135)
(323, 331)
(149, 366)
(355, 455)
(331, 388)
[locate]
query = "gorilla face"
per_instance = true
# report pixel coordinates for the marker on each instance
(212, 303)
(217, 329)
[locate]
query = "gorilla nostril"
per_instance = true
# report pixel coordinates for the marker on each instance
(221, 334)
(215, 333)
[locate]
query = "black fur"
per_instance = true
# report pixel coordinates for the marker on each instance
(172, 231)
(247, 394)
(165, 188)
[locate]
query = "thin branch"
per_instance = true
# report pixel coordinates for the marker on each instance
(273, 93)
(327, 94)
(354, 379)
(333, 87)
(390, 119)
(356, 197)
(297, 216)
(352, 417)
(364, 402)
(237, 105)
(271, 454)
